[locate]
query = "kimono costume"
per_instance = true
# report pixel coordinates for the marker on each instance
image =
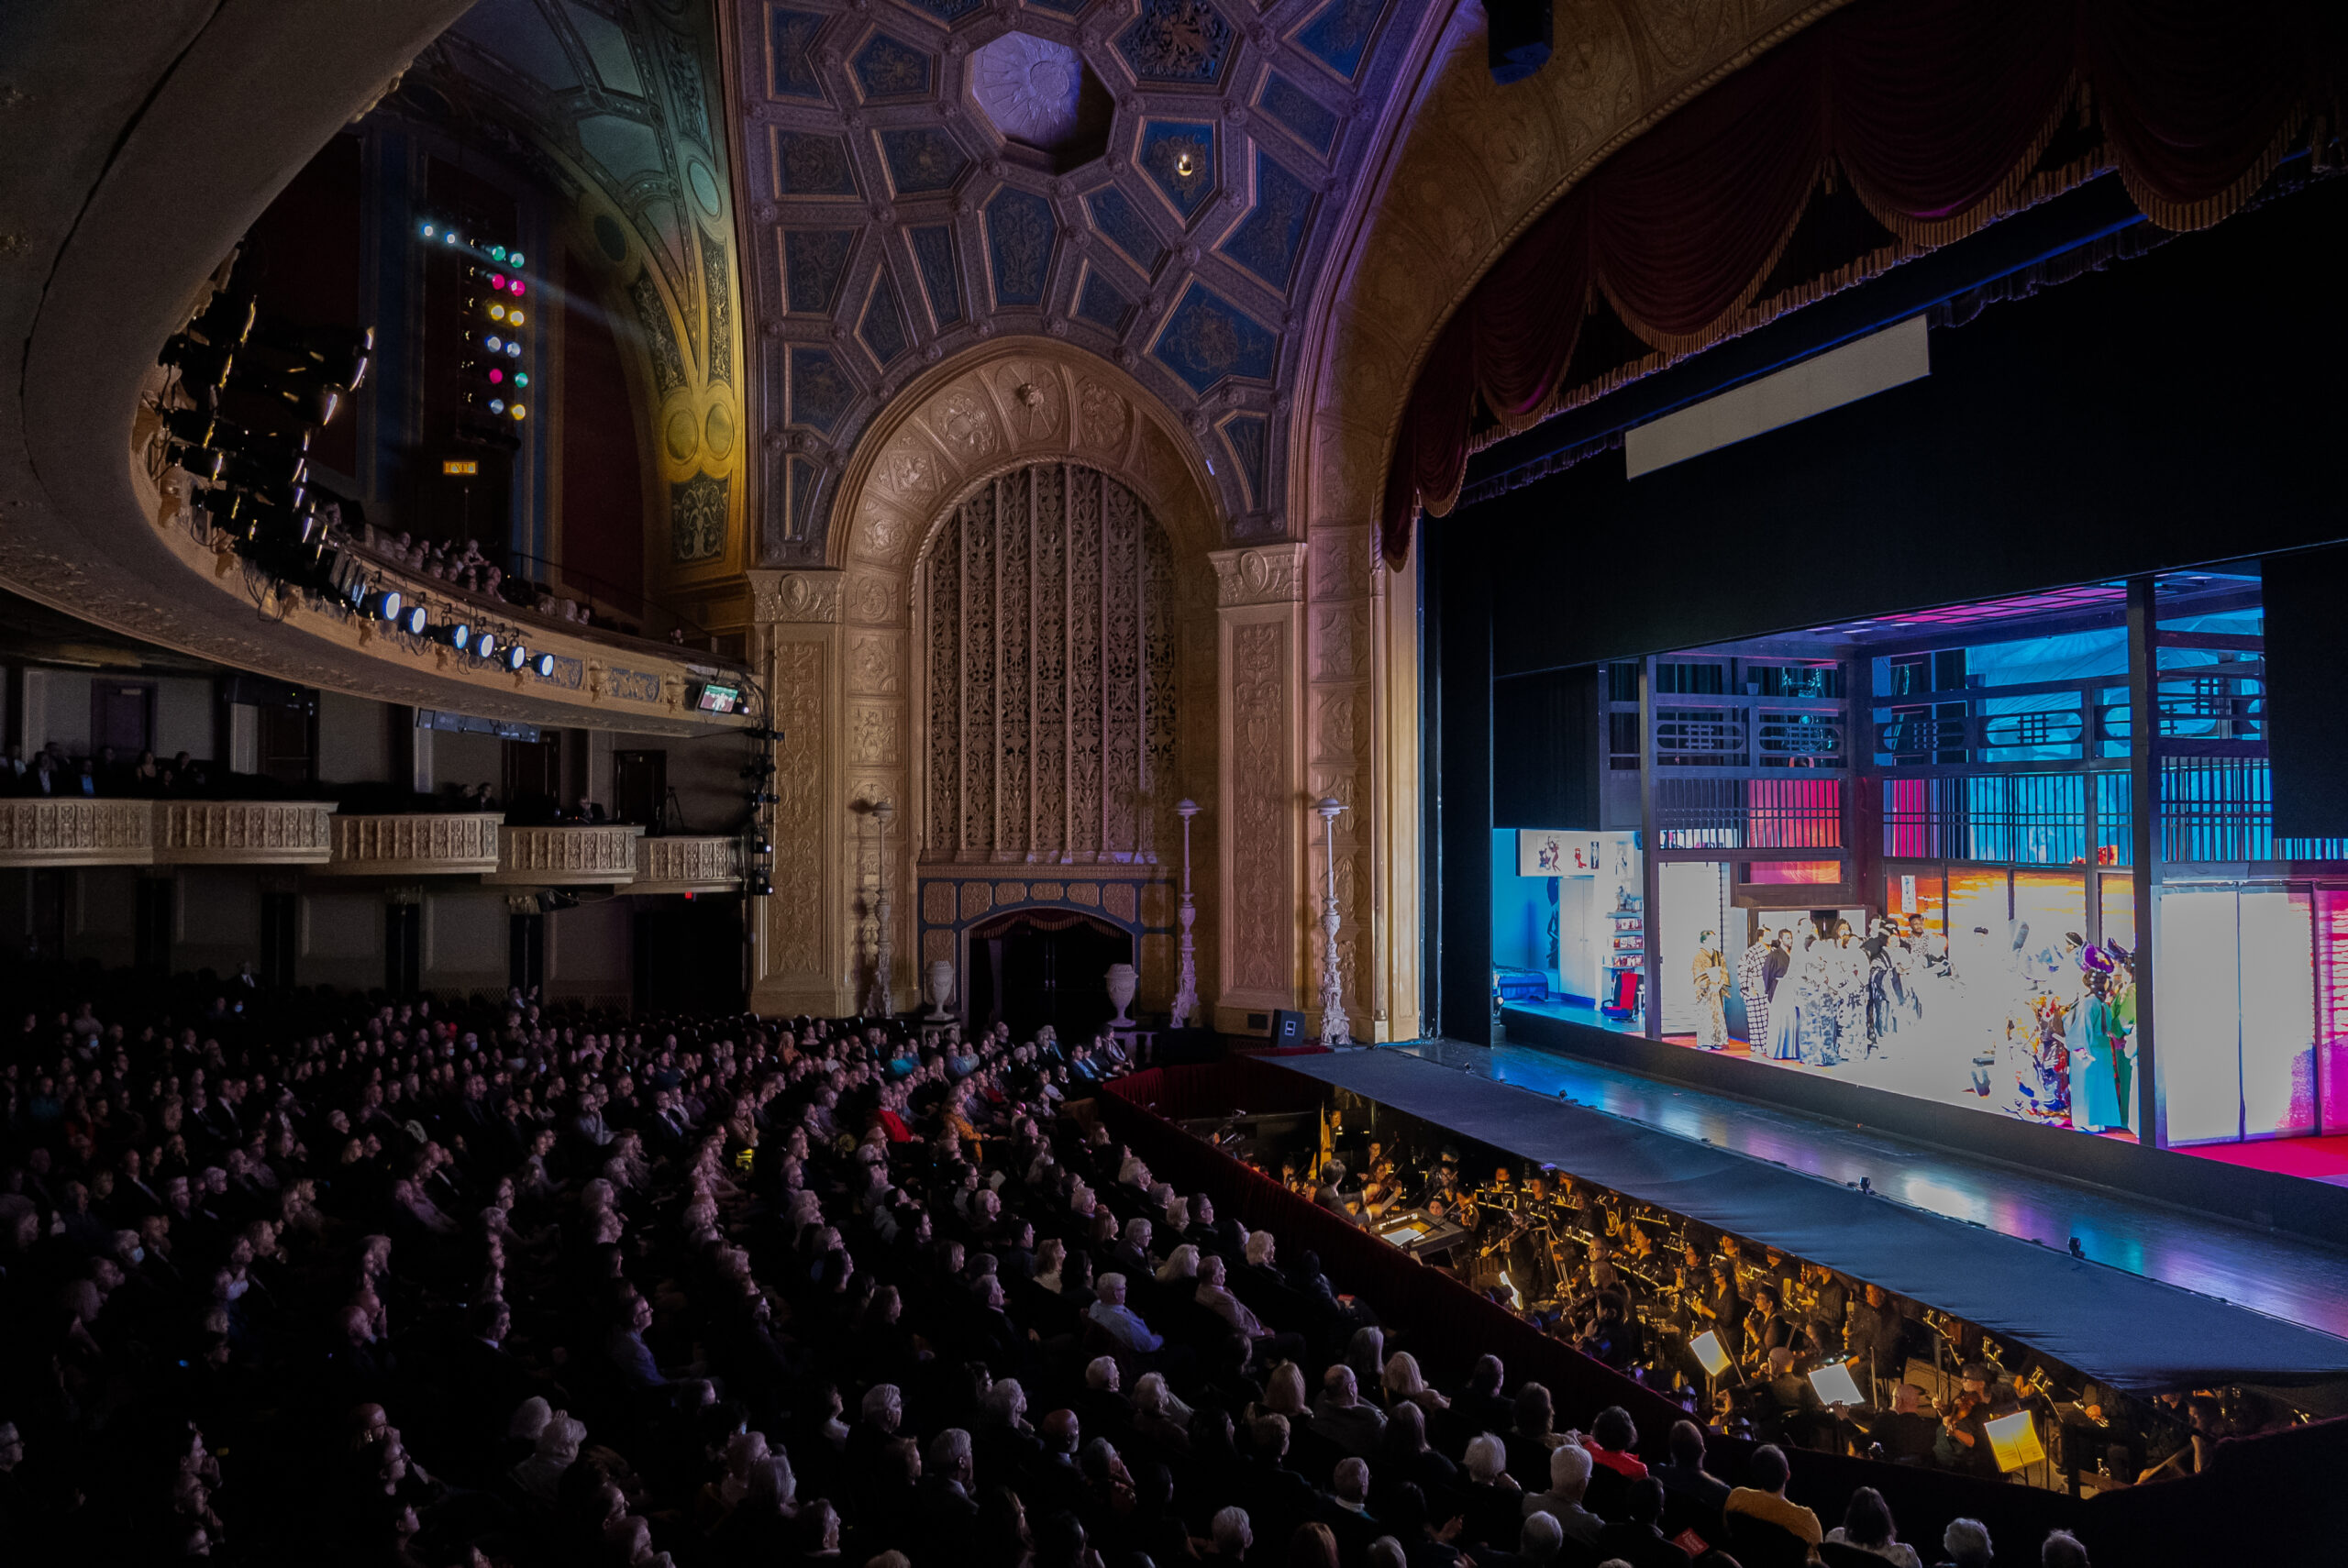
(1753, 984)
(2095, 1090)
(1710, 971)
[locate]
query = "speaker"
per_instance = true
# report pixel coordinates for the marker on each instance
(1288, 1029)
(1517, 37)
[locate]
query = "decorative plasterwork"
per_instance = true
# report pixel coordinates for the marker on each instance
(1262, 574)
(986, 220)
(802, 597)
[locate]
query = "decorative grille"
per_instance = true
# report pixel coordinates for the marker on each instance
(1050, 617)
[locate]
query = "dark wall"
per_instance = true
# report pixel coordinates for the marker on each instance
(2177, 408)
(1459, 786)
(303, 259)
(1544, 750)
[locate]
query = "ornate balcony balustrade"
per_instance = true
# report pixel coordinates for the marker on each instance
(77, 831)
(688, 863)
(423, 844)
(243, 833)
(566, 856)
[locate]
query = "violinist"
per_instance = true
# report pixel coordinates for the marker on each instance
(1963, 1444)
(1769, 1328)
(1719, 1308)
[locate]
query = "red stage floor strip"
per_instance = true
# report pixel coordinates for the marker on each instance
(2317, 1159)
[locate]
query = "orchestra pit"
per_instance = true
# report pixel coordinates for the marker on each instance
(1127, 783)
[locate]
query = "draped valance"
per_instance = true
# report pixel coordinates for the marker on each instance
(1939, 116)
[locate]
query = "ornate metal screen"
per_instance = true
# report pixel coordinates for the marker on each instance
(1048, 602)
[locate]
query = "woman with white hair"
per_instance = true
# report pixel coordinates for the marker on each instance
(539, 1475)
(1158, 1415)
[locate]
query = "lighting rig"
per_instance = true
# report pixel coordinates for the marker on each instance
(495, 392)
(257, 390)
(757, 870)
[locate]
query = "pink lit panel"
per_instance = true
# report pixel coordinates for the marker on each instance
(1795, 873)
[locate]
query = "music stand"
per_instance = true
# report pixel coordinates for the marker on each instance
(1713, 1357)
(1836, 1386)
(2014, 1441)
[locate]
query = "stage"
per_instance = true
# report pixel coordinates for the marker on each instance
(2165, 1299)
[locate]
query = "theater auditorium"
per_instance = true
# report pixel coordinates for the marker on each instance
(1173, 783)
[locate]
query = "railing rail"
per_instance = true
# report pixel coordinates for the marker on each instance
(417, 843)
(695, 863)
(566, 856)
(77, 831)
(243, 833)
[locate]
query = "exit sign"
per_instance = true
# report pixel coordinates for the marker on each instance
(467, 465)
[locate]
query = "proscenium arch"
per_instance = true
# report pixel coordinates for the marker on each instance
(989, 412)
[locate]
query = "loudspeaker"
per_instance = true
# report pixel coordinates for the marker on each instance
(1517, 37)
(1288, 1029)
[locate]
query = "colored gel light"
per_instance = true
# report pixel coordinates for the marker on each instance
(521, 377)
(495, 376)
(497, 405)
(513, 350)
(495, 344)
(515, 317)
(519, 411)
(428, 231)
(450, 236)
(497, 279)
(517, 288)
(497, 253)
(515, 258)
(497, 313)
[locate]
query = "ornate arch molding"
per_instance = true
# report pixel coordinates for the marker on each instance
(1467, 169)
(838, 648)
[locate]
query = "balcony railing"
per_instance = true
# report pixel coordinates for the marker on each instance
(567, 857)
(697, 863)
(423, 844)
(77, 832)
(243, 833)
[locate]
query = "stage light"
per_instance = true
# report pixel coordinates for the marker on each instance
(226, 322)
(354, 590)
(516, 257)
(493, 343)
(542, 665)
(413, 619)
(517, 657)
(497, 253)
(200, 464)
(514, 318)
(199, 364)
(759, 886)
(428, 231)
(497, 405)
(514, 348)
(521, 377)
(485, 646)
(517, 410)
(453, 635)
(497, 313)
(450, 236)
(517, 288)
(384, 604)
(497, 281)
(495, 376)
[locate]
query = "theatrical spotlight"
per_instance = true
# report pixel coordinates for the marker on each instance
(516, 658)
(485, 646)
(542, 666)
(413, 619)
(1516, 37)
(201, 365)
(338, 356)
(761, 886)
(453, 635)
(382, 604)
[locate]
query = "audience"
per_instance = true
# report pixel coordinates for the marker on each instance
(430, 1282)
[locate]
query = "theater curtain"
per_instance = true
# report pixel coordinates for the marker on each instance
(1942, 116)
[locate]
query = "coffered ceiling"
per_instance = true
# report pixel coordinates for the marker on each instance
(1152, 180)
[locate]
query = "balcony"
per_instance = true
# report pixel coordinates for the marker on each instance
(77, 832)
(688, 863)
(572, 856)
(243, 833)
(423, 844)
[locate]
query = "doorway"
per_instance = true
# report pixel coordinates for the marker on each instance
(1044, 967)
(122, 720)
(402, 948)
(534, 778)
(639, 788)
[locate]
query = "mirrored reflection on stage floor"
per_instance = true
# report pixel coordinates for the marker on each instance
(2299, 1281)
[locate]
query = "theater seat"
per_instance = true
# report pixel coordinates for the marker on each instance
(1757, 1543)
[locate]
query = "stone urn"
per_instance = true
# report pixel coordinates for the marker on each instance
(1124, 980)
(941, 990)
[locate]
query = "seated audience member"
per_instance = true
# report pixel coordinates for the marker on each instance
(1765, 1499)
(1637, 1539)
(1867, 1524)
(2062, 1550)
(1340, 1416)
(1693, 1496)
(1966, 1544)
(1569, 1469)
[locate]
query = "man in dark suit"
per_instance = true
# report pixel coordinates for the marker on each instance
(948, 1513)
(1693, 1496)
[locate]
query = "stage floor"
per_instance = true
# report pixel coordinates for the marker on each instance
(1472, 1091)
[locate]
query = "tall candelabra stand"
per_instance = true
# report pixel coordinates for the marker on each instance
(883, 1003)
(1333, 1029)
(1186, 979)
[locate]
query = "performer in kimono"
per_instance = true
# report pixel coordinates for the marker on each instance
(2095, 1044)
(1754, 984)
(1710, 971)
(1786, 1001)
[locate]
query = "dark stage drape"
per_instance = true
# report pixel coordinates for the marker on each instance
(1940, 116)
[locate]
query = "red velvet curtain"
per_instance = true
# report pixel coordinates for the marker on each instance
(1939, 113)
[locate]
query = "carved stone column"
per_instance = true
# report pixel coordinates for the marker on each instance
(800, 948)
(1260, 645)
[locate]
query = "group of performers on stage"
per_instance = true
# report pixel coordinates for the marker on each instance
(2043, 1029)
(1636, 1288)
